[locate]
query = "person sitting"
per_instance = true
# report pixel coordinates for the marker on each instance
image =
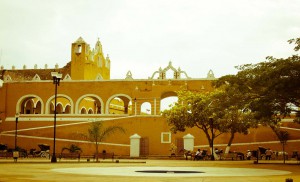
(198, 155)
(249, 154)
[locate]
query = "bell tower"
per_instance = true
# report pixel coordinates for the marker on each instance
(78, 54)
(87, 64)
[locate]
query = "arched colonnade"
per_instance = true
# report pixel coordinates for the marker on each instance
(91, 104)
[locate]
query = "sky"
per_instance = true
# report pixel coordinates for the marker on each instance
(143, 35)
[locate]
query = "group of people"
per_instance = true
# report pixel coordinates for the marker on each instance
(268, 154)
(200, 154)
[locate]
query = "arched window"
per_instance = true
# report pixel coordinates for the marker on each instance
(29, 104)
(78, 49)
(68, 109)
(61, 104)
(91, 111)
(38, 108)
(118, 104)
(83, 111)
(59, 108)
(52, 108)
(146, 108)
(90, 101)
(28, 107)
(168, 100)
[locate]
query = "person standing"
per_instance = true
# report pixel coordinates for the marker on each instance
(268, 154)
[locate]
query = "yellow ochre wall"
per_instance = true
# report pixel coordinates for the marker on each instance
(87, 64)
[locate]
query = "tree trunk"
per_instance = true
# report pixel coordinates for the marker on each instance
(97, 152)
(229, 143)
(283, 153)
(227, 149)
(208, 137)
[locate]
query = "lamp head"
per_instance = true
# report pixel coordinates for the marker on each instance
(54, 74)
(59, 75)
(56, 77)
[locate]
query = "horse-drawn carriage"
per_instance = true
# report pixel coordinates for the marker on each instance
(260, 153)
(44, 152)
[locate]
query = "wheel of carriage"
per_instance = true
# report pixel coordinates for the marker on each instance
(45, 154)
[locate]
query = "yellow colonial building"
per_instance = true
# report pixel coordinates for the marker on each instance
(87, 94)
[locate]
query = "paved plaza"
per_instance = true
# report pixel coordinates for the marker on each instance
(148, 170)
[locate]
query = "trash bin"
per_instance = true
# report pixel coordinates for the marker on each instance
(15, 155)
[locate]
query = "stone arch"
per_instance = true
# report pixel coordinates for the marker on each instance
(27, 107)
(38, 107)
(146, 108)
(83, 110)
(90, 111)
(26, 97)
(126, 99)
(51, 107)
(67, 109)
(167, 98)
(168, 94)
(96, 97)
(59, 95)
(59, 108)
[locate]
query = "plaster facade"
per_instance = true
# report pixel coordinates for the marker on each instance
(87, 94)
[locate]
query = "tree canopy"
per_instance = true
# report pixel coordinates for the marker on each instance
(272, 87)
(220, 111)
(258, 93)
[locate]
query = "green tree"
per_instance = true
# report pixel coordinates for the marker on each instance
(224, 106)
(271, 88)
(276, 81)
(196, 109)
(235, 121)
(236, 117)
(97, 134)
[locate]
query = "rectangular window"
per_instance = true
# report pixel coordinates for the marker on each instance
(166, 137)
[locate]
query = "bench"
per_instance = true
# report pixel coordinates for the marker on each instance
(229, 156)
(106, 156)
(69, 156)
(234, 156)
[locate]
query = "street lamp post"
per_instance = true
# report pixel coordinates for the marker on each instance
(16, 131)
(212, 138)
(134, 106)
(56, 79)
